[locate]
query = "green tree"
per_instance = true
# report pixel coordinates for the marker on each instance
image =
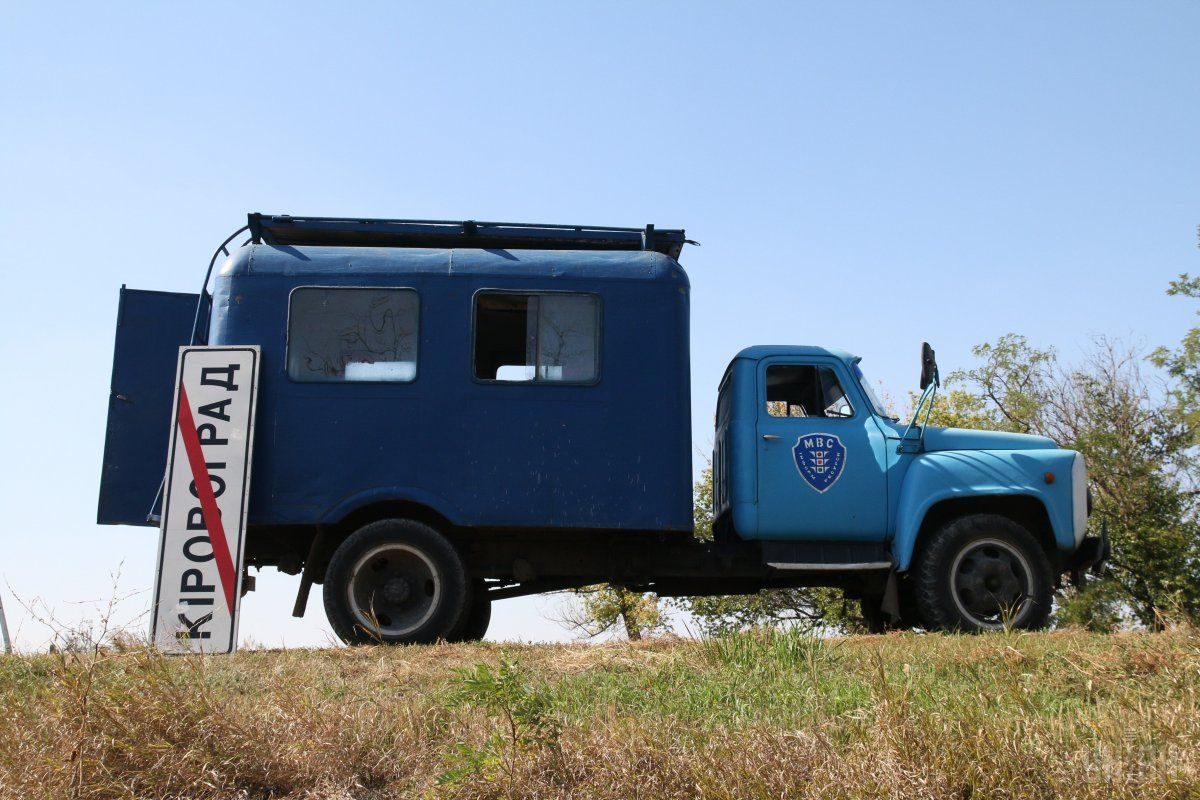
(1006, 391)
(1183, 362)
(1013, 383)
(959, 408)
(805, 608)
(1138, 444)
(702, 504)
(605, 608)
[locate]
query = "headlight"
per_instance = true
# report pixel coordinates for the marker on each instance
(1081, 497)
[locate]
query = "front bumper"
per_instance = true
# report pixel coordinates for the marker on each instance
(1092, 552)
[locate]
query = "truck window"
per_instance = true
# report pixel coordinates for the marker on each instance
(805, 391)
(539, 338)
(341, 334)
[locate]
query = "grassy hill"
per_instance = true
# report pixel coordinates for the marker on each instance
(767, 715)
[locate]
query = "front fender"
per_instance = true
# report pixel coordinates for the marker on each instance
(954, 475)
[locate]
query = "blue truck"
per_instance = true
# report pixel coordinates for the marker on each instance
(454, 413)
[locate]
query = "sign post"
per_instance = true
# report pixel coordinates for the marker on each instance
(198, 589)
(4, 628)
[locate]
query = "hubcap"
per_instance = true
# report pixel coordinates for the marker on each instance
(394, 590)
(992, 583)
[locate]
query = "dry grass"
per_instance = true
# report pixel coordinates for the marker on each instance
(768, 715)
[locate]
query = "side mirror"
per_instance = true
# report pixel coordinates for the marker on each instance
(929, 368)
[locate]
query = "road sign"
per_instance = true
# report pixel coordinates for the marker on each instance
(198, 587)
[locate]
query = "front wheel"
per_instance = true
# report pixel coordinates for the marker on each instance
(395, 581)
(983, 572)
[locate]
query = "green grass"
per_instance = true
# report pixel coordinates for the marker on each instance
(763, 714)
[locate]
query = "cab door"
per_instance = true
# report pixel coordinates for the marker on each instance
(822, 471)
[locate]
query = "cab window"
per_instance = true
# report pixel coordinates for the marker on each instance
(805, 391)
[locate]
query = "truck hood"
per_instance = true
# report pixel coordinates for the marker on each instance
(964, 439)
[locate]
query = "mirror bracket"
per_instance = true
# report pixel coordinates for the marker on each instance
(913, 440)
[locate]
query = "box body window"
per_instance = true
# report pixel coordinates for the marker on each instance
(537, 338)
(352, 335)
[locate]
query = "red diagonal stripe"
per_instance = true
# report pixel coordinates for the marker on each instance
(208, 501)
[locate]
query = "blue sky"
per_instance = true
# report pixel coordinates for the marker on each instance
(861, 175)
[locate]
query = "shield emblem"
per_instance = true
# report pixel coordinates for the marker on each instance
(820, 459)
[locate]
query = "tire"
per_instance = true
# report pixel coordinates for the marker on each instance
(395, 581)
(478, 616)
(983, 572)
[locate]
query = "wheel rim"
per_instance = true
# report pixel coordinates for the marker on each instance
(992, 583)
(394, 590)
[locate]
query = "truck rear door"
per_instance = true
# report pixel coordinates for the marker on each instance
(151, 326)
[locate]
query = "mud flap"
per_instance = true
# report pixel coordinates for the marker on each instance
(891, 597)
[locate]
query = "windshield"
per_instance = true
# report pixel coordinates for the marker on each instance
(876, 406)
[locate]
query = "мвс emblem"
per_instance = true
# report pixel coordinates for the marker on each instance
(820, 459)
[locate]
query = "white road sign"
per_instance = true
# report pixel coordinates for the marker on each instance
(198, 591)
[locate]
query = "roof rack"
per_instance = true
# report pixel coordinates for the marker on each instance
(356, 232)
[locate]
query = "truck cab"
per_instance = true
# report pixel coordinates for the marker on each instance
(808, 463)
(453, 413)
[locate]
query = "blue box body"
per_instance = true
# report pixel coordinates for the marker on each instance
(613, 455)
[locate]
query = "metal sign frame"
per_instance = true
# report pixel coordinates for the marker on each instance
(202, 535)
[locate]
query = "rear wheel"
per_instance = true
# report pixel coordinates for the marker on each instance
(983, 572)
(395, 581)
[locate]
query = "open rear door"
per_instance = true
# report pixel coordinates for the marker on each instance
(151, 326)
